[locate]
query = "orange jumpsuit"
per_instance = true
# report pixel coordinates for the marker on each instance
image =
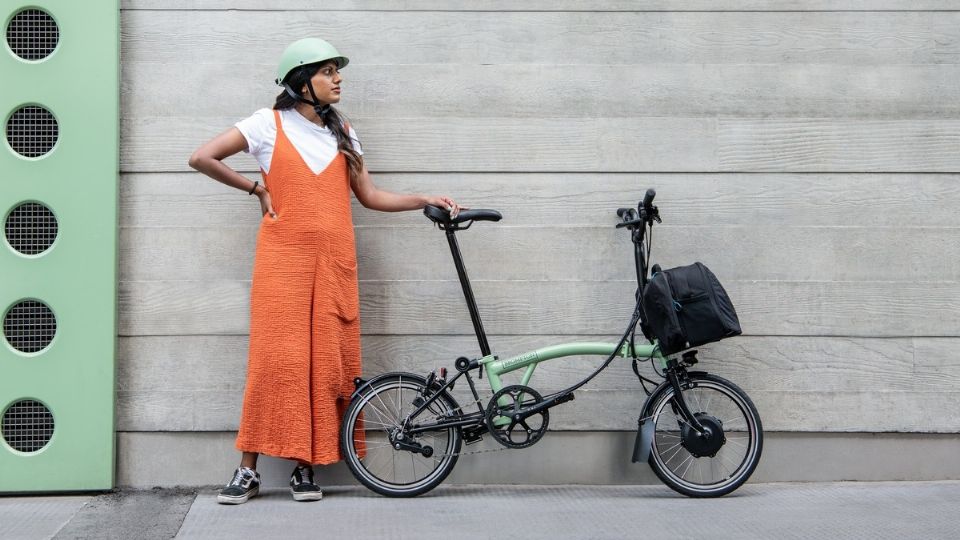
(304, 313)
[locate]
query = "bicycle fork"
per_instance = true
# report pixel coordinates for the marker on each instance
(676, 374)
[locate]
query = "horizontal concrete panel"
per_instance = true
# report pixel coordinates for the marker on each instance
(548, 200)
(550, 5)
(539, 91)
(817, 144)
(178, 410)
(219, 36)
(780, 364)
(165, 143)
(571, 253)
(592, 409)
(869, 309)
(201, 459)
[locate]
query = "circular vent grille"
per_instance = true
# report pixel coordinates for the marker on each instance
(32, 131)
(27, 425)
(31, 228)
(29, 326)
(32, 34)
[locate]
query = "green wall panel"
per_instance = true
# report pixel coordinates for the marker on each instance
(77, 276)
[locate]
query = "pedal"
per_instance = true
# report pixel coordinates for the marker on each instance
(473, 434)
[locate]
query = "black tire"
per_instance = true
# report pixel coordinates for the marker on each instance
(730, 465)
(367, 419)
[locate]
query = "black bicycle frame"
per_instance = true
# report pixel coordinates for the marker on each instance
(468, 293)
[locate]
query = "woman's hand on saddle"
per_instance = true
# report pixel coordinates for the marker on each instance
(448, 204)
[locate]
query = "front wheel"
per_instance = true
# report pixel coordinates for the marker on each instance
(373, 425)
(713, 463)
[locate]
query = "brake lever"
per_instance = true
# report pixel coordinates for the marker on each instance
(655, 214)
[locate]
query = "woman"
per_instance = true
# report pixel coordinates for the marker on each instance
(304, 327)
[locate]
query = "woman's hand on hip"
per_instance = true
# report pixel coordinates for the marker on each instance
(266, 207)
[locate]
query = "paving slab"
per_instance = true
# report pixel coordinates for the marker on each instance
(130, 515)
(33, 517)
(878, 510)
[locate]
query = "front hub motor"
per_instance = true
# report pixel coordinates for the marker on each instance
(707, 443)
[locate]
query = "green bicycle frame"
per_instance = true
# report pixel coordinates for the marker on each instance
(495, 367)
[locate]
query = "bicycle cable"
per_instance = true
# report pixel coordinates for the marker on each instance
(630, 331)
(633, 322)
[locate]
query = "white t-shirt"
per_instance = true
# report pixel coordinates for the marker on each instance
(317, 145)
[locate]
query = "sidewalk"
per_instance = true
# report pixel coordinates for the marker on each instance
(901, 510)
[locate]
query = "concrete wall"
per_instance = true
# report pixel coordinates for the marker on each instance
(806, 151)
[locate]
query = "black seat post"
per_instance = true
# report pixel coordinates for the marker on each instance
(468, 293)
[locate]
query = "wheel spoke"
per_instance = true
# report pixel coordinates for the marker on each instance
(399, 399)
(695, 394)
(377, 423)
(737, 442)
(377, 446)
(384, 415)
(672, 447)
(689, 459)
(723, 462)
(679, 449)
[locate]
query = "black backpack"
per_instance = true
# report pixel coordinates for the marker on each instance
(686, 306)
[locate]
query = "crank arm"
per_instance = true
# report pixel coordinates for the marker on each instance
(527, 412)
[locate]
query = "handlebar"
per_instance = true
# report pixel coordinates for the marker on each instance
(648, 198)
(637, 220)
(648, 213)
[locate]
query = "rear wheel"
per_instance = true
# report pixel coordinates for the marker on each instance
(372, 427)
(722, 458)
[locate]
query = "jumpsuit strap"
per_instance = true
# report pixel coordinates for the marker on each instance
(276, 116)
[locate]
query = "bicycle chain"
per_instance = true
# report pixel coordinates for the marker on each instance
(472, 452)
(501, 449)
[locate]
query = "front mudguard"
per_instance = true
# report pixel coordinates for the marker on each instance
(645, 426)
(644, 441)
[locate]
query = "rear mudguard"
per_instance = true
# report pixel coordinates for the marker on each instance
(645, 426)
(362, 385)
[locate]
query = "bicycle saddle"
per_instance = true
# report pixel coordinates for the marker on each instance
(442, 218)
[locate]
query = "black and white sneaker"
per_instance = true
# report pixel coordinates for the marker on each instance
(245, 484)
(302, 485)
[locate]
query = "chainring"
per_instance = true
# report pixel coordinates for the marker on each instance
(505, 421)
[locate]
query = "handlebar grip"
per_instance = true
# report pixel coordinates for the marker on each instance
(622, 211)
(648, 198)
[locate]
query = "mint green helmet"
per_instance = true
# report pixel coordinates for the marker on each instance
(307, 51)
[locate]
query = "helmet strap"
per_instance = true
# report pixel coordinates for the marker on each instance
(318, 107)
